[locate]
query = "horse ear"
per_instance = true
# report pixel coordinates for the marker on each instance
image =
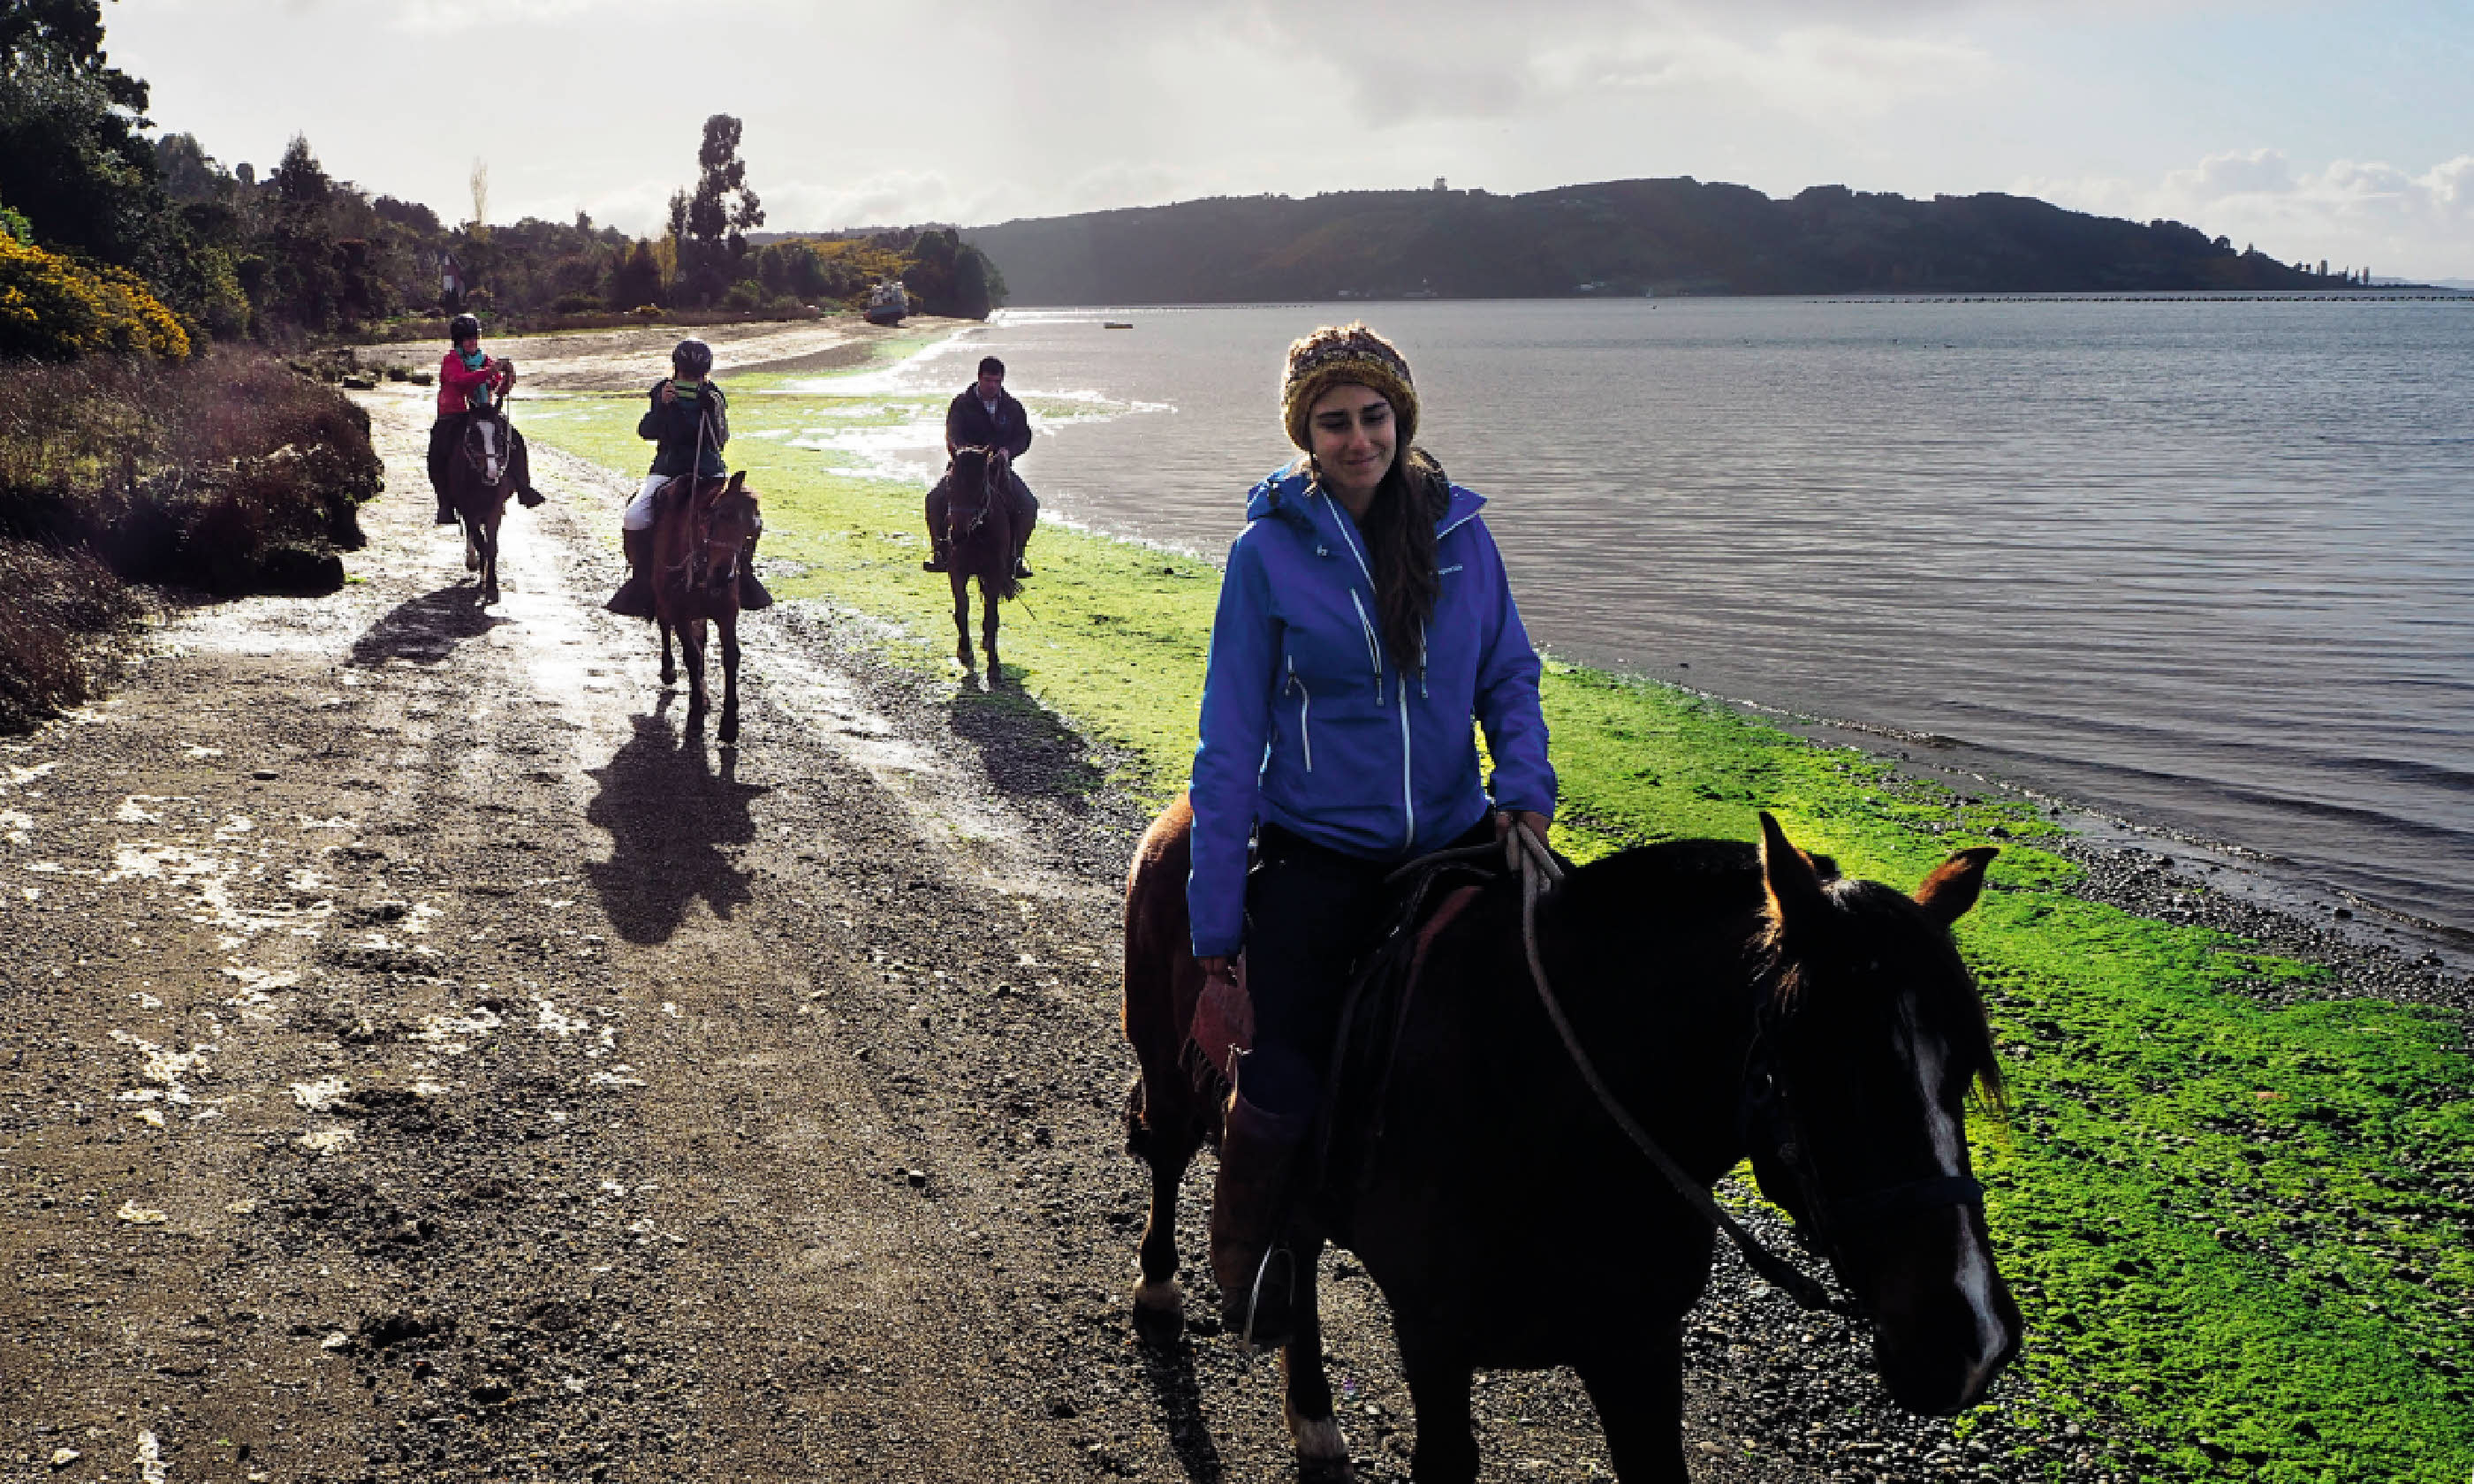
(1794, 886)
(1955, 884)
(736, 482)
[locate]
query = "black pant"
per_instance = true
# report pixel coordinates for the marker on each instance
(449, 431)
(1310, 916)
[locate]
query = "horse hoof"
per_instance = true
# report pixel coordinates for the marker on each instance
(1159, 1311)
(1322, 1451)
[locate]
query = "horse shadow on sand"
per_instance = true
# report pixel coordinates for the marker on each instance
(1027, 751)
(669, 816)
(424, 630)
(1168, 1373)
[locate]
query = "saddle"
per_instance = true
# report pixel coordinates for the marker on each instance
(1425, 898)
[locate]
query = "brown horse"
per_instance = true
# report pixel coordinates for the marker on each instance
(1734, 1000)
(700, 529)
(979, 542)
(479, 479)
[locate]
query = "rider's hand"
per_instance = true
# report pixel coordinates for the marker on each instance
(1217, 967)
(669, 394)
(1526, 819)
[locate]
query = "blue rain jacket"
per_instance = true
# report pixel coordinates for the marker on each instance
(1307, 724)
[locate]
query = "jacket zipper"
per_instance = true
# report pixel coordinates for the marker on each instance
(1375, 652)
(1373, 645)
(1305, 704)
(1408, 791)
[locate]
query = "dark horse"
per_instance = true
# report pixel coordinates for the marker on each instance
(1735, 999)
(981, 541)
(699, 530)
(479, 478)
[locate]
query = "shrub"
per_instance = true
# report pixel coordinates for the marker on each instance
(59, 612)
(229, 475)
(55, 308)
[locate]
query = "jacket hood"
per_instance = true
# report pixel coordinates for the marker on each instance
(1283, 494)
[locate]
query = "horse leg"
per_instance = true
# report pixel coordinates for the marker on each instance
(669, 671)
(1439, 1390)
(472, 546)
(490, 559)
(1322, 1452)
(1163, 1131)
(729, 625)
(961, 581)
(1640, 1397)
(988, 624)
(692, 655)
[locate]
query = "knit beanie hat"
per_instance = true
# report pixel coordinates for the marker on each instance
(1345, 356)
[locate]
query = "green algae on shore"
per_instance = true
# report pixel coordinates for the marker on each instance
(2239, 1229)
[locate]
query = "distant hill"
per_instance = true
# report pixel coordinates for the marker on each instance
(1618, 237)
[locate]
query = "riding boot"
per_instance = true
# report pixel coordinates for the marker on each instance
(446, 513)
(752, 595)
(1258, 1155)
(1021, 568)
(634, 598)
(531, 498)
(935, 562)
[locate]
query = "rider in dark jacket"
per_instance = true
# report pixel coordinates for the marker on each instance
(469, 381)
(984, 415)
(687, 419)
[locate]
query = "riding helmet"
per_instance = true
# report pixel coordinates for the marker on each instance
(691, 358)
(463, 327)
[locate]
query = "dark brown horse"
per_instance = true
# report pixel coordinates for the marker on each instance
(700, 528)
(979, 542)
(1734, 1000)
(479, 479)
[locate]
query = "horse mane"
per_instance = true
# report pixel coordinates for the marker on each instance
(1947, 997)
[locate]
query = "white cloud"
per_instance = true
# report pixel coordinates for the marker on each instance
(2349, 212)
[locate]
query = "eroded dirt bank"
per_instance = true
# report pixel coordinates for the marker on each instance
(424, 1060)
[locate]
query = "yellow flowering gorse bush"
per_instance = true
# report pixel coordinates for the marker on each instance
(54, 308)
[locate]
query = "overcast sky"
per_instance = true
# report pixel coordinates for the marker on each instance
(2345, 136)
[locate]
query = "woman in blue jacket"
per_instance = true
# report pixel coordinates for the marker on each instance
(1365, 619)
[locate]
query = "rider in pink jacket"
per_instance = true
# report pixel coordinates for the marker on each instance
(471, 382)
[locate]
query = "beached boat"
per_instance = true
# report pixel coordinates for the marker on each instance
(1116, 325)
(889, 304)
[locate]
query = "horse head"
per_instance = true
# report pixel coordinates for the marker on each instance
(1870, 1036)
(721, 516)
(977, 491)
(487, 445)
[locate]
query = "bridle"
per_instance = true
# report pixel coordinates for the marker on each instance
(694, 567)
(1767, 1114)
(487, 455)
(956, 530)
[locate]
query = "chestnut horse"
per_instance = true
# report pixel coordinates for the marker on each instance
(700, 529)
(479, 478)
(1735, 999)
(979, 542)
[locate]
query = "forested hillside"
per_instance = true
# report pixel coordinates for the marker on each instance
(1616, 238)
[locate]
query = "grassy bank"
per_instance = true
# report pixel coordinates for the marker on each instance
(2238, 1221)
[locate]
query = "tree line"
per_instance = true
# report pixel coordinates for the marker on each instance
(90, 199)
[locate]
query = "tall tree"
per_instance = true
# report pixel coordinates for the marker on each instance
(70, 155)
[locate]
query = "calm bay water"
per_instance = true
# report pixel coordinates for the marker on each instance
(2209, 564)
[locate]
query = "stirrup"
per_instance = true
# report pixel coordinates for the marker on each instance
(1262, 1275)
(1021, 568)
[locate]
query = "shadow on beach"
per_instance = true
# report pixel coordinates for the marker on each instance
(669, 815)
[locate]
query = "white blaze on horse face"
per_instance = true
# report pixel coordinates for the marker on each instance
(490, 456)
(1929, 1059)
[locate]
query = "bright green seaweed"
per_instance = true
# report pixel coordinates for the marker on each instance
(2240, 1231)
